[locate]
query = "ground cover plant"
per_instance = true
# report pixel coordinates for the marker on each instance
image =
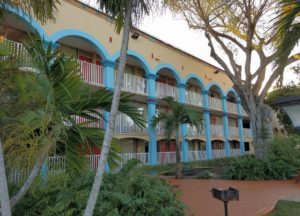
(282, 162)
(286, 208)
(128, 192)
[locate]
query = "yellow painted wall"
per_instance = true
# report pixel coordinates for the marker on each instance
(73, 15)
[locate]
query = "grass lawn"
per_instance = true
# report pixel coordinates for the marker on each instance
(286, 208)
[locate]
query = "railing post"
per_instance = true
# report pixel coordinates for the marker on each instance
(109, 74)
(206, 117)
(151, 112)
(241, 128)
(225, 126)
(183, 127)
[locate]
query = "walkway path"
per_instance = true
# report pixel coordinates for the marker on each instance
(257, 198)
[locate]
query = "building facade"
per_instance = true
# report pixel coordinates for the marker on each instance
(154, 70)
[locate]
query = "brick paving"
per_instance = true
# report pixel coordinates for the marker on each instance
(257, 198)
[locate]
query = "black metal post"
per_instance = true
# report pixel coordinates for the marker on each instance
(225, 207)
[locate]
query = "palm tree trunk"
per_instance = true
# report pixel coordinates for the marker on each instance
(4, 196)
(113, 113)
(34, 172)
(178, 155)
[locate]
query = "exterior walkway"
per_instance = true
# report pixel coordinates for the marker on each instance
(257, 198)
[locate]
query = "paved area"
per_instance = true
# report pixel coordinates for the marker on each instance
(257, 198)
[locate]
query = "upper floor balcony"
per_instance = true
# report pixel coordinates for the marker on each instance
(217, 130)
(215, 103)
(124, 124)
(134, 84)
(194, 98)
(164, 90)
(233, 132)
(194, 132)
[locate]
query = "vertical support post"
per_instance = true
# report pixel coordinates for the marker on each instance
(241, 128)
(152, 146)
(109, 74)
(183, 128)
(206, 117)
(109, 83)
(225, 126)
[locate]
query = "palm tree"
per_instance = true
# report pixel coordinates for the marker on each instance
(42, 10)
(177, 115)
(287, 30)
(126, 12)
(60, 95)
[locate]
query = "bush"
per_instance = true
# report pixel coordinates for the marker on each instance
(250, 168)
(125, 193)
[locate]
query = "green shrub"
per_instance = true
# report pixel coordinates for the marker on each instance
(250, 168)
(126, 193)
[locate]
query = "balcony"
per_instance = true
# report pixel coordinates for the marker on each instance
(194, 98)
(247, 133)
(197, 155)
(99, 124)
(235, 152)
(193, 132)
(134, 84)
(91, 73)
(232, 107)
(124, 124)
(218, 153)
(166, 157)
(215, 103)
(164, 90)
(217, 130)
(233, 132)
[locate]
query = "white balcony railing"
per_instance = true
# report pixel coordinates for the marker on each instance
(247, 133)
(233, 132)
(98, 124)
(218, 153)
(197, 155)
(124, 124)
(194, 98)
(143, 157)
(217, 130)
(235, 152)
(166, 157)
(164, 90)
(134, 84)
(17, 49)
(232, 107)
(192, 131)
(92, 73)
(215, 103)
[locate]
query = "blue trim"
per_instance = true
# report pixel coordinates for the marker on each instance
(184, 143)
(146, 66)
(152, 135)
(206, 117)
(108, 63)
(219, 88)
(181, 89)
(77, 33)
(225, 114)
(30, 21)
(109, 75)
(196, 77)
(226, 135)
(231, 90)
(173, 70)
(151, 76)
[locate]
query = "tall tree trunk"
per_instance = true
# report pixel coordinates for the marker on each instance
(113, 113)
(178, 155)
(4, 196)
(261, 124)
(34, 172)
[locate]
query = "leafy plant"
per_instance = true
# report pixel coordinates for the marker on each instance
(128, 192)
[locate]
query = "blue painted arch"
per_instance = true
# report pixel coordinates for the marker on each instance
(30, 21)
(101, 50)
(144, 63)
(231, 90)
(173, 71)
(196, 77)
(217, 85)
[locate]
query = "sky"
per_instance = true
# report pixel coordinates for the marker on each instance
(175, 31)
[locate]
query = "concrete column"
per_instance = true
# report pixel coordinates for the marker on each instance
(152, 146)
(241, 128)
(225, 126)
(206, 117)
(183, 128)
(109, 74)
